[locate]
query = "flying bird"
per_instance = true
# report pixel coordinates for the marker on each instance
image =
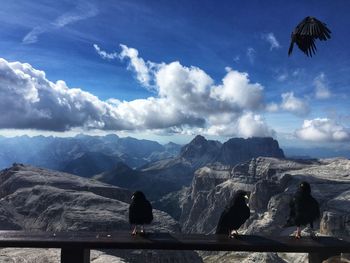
(304, 209)
(234, 215)
(140, 212)
(305, 34)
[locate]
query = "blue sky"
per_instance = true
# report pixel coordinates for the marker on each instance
(200, 45)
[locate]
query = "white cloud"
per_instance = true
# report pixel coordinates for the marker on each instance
(297, 72)
(272, 107)
(82, 11)
(144, 70)
(29, 100)
(237, 90)
(251, 54)
(282, 77)
(294, 105)
(271, 39)
(247, 125)
(323, 130)
(187, 100)
(103, 54)
(250, 125)
(321, 87)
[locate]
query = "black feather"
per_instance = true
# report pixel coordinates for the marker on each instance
(234, 215)
(140, 210)
(305, 34)
(304, 209)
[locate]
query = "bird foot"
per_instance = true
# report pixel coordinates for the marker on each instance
(312, 234)
(143, 233)
(233, 235)
(297, 235)
(134, 232)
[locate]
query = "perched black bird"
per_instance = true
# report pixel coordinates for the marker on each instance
(304, 209)
(234, 215)
(305, 34)
(140, 212)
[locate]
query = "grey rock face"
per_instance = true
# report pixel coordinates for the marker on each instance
(238, 150)
(272, 182)
(44, 200)
(200, 151)
(172, 203)
(21, 176)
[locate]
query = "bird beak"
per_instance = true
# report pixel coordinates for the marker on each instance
(133, 197)
(246, 198)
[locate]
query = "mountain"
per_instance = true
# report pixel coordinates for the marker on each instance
(65, 154)
(121, 175)
(91, 163)
(37, 199)
(162, 177)
(170, 150)
(200, 151)
(238, 150)
(271, 182)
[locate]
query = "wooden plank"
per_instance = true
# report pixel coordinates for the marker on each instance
(76, 255)
(168, 241)
(321, 256)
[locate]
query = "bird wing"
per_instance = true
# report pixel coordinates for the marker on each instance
(246, 213)
(148, 212)
(292, 213)
(307, 45)
(314, 28)
(132, 212)
(314, 209)
(140, 212)
(222, 227)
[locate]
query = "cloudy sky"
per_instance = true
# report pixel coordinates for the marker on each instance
(168, 70)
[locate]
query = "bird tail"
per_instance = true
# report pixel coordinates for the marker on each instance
(289, 223)
(221, 230)
(290, 48)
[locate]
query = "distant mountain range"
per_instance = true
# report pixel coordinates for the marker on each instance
(316, 152)
(139, 164)
(83, 155)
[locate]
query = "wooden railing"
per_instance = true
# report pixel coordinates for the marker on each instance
(75, 246)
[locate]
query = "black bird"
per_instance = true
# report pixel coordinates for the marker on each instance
(234, 215)
(305, 34)
(304, 209)
(140, 212)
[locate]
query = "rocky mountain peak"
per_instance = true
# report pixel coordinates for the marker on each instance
(238, 150)
(200, 147)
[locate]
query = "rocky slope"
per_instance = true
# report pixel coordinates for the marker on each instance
(39, 199)
(271, 182)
